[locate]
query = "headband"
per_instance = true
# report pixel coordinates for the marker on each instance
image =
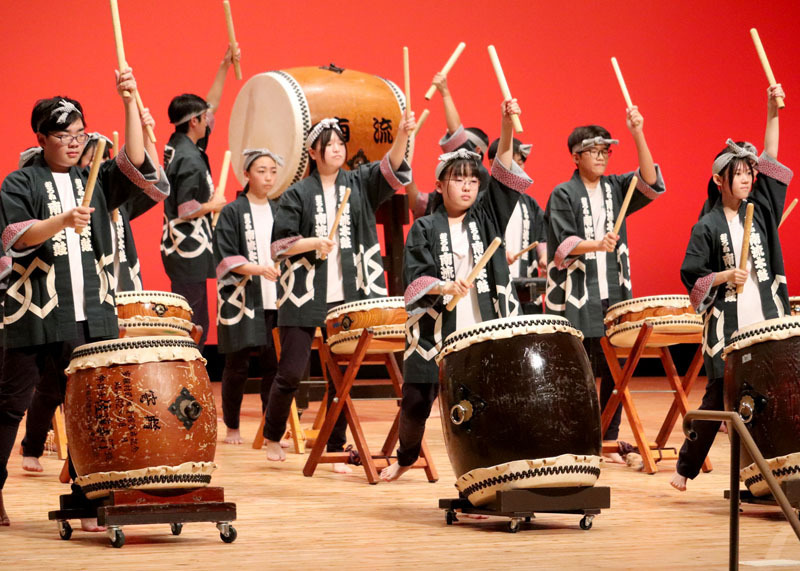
(250, 156)
(448, 158)
(525, 150)
(64, 109)
(188, 116)
(327, 123)
(589, 143)
(476, 140)
(28, 155)
(734, 151)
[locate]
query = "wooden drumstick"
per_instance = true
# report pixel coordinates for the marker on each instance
(621, 81)
(421, 120)
(223, 181)
(335, 225)
(115, 137)
(522, 252)
(501, 79)
(487, 255)
(748, 223)
(787, 212)
(92, 180)
(762, 55)
(232, 38)
(447, 67)
(624, 210)
(407, 79)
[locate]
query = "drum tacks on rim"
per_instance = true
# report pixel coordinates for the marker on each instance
(672, 316)
(385, 316)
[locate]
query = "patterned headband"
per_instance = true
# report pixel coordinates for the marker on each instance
(188, 116)
(525, 150)
(448, 158)
(476, 140)
(63, 111)
(589, 143)
(327, 123)
(734, 151)
(250, 155)
(27, 155)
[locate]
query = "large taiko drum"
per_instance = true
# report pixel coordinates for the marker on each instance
(154, 313)
(519, 406)
(762, 384)
(140, 414)
(385, 316)
(276, 110)
(672, 316)
(794, 305)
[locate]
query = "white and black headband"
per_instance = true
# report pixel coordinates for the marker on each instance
(447, 158)
(188, 116)
(734, 151)
(63, 110)
(250, 155)
(589, 143)
(327, 123)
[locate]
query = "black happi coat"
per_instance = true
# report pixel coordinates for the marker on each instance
(534, 229)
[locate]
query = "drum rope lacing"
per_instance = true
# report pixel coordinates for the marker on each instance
(532, 473)
(461, 336)
(762, 330)
(146, 481)
(778, 473)
(381, 302)
(134, 343)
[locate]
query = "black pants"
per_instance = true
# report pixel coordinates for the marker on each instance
(24, 369)
(234, 376)
(415, 408)
(295, 352)
(197, 296)
(693, 452)
(600, 369)
(44, 402)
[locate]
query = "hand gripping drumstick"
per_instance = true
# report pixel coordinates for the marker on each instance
(92, 180)
(447, 67)
(624, 210)
(123, 64)
(501, 79)
(487, 255)
(232, 38)
(421, 120)
(407, 80)
(748, 223)
(787, 212)
(335, 226)
(762, 55)
(223, 181)
(621, 81)
(522, 252)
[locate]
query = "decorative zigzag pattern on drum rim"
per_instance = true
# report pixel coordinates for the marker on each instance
(541, 320)
(779, 473)
(739, 340)
(134, 343)
(531, 473)
(306, 117)
(401, 102)
(203, 479)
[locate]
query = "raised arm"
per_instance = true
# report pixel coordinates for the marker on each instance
(505, 148)
(772, 131)
(635, 123)
(398, 151)
(451, 118)
(149, 146)
(215, 93)
(134, 139)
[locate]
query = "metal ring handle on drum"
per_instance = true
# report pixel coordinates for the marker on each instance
(747, 407)
(461, 412)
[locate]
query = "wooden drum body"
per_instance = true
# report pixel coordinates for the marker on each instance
(276, 110)
(386, 316)
(762, 384)
(672, 317)
(140, 414)
(154, 313)
(519, 406)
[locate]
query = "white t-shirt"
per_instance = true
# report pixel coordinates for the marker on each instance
(748, 303)
(597, 201)
(468, 311)
(335, 286)
(514, 238)
(67, 199)
(262, 223)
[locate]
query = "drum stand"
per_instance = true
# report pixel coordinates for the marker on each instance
(343, 404)
(521, 505)
(621, 394)
(138, 507)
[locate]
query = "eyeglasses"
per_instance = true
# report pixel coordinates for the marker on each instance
(68, 139)
(598, 153)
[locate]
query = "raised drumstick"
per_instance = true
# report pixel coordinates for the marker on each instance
(487, 255)
(624, 210)
(787, 212)
(122, 64)
(407, 79)
(762, 55)
(223, 181)
(621, 81)
(115, 138)
(748, 223)
(522, 252)
(232, 38)
(92, 180)
(501, 79)
(335, 225)
(447, 67)
(421, 120)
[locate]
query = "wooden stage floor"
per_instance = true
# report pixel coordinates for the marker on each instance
(288, 521)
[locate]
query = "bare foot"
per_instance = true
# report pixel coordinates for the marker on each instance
(341, 468)
(31, 464)
(678, 482)
(634, 460)
(274, 451)
(90, 524)
(723, 427)
(286, 444)
(4, 521)
(475, 516)
(234, 436)
(613, 458)
(393, 471)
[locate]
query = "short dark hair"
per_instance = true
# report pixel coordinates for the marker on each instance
(586, 132)
(183, 105)
(729, 171)
(492, 152)
(321, 144)
(91, 144)
(43, 121)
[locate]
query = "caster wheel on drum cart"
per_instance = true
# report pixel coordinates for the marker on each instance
(116, 537)
(64, 530)
(227, 533)
(450, 517)
(586, 522)
(513, 525)
(176, 528)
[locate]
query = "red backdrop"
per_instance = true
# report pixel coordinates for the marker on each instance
(690, 66)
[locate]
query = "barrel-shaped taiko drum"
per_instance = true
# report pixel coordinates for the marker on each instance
(519, 406)
(140, 414)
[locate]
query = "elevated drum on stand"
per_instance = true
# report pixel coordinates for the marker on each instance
(154, 313)
(519, 407)
(671, 315)
(386, 316)
(140, 414)
(762, 384)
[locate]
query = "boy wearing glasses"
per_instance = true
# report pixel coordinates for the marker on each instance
(588, 265)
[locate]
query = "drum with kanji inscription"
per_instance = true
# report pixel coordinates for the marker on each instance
(140, 414)
(519, 406)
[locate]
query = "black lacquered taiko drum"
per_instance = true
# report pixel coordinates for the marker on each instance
(519, 406)
(762, 384)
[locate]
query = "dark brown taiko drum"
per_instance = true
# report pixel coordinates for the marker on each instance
(140, 414)
(519, 406)
(762, 384)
